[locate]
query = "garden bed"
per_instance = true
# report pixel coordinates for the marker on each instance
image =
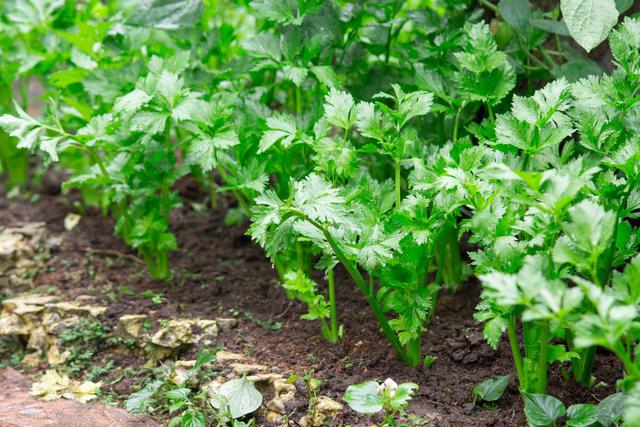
(220, 273)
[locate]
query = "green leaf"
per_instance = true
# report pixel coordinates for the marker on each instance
(167, 14)
(589, 21)
(364, 398)
(582, 415)
(326, 75)
(139, 401)
(493, 331)
(542, 409)
(178, 394)
(517, 13)
(339, 109)
(131, 102)
(193, 419)
(239, 396)
(492, 389)
(401, 396)
(296, 74)
(610, 408)
(282, 128)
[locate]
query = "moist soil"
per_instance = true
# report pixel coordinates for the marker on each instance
(219, 272)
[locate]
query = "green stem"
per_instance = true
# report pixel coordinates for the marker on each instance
(492, 116)
(414, 351)
(332, 306)
(298, 100)
(362, 285)
(543, 358)
(586, 366)
(398, 177)
(489, 5)
(548, 58)
(515, 350)
(302, 265)
(456, 123)
(166, 191)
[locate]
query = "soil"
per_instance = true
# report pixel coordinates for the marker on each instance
(220, 272)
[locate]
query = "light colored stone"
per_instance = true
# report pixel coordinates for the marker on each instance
(209, 327)
(55, 323)
(31, 360)
(55, 355)
(173, 335)
(267, 379)
(226, 323)
(178, 332)
(38, 340)
(28, 303)
(324, 412)
(180, 372)
(12, 324)
(77, 309)
(132, 325)
(227, 356)
(247, 368)
(284, 389)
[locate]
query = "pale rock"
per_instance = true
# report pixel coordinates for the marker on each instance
(282, 388)
(247, 369)
(157, 353)
(53, 386)
(31, 360)
(173, 335)
(55, 355)
(324, 412)
(226, 323)
(74, 308)
(12, 324)
(276, 405)
(180, 372)
(132, 325)
(209, 327)
(38, 340)
(28, 304)
(55, 323)
(227, 356)
(178, 332)
(264, 379)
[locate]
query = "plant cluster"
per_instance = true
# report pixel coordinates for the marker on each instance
(372, 137)
(189, 404)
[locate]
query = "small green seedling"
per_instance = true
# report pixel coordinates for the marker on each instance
(388, 397)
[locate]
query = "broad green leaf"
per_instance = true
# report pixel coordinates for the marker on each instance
(239, 396)
(582, 415)
(589, 21)
(517, 13)
(610, 408)
(193, 419)
(542, 409)
(138, 402)
(167, 14)
(178, 394)
(364, 398)
(492, 389)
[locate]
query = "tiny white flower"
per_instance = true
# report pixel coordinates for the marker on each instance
(389, 385)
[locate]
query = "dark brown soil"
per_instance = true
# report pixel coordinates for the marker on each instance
(219, 271)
